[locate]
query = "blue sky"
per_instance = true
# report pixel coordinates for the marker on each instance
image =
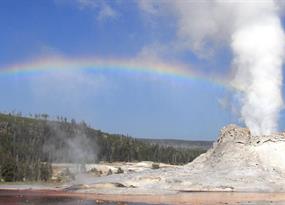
(137, 104)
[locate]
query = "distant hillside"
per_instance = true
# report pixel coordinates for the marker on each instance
(187, 144)
(29, 145)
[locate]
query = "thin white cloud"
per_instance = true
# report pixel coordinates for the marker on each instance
(148, 6)
(102, 9)
(153, 52)
(201, 26)
(106, 12)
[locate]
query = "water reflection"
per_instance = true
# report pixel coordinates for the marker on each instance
(9, 197)
(50, 200)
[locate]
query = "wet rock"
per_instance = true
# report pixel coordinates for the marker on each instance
(155, 166)
(64, 176)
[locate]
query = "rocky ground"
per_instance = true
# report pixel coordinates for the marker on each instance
(237, 161)
(64, 172)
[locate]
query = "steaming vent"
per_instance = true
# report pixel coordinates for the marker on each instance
(257, 43)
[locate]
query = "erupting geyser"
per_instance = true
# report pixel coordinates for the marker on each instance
(253, 31)
(258, 48)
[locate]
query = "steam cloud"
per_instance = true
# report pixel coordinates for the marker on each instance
(253, 31)
(73, 147)
(258, 48)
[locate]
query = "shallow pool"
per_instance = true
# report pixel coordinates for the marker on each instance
(39, 198)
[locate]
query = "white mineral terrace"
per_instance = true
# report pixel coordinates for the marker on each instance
(236, 162)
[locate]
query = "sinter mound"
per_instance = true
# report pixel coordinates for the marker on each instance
(237, 161)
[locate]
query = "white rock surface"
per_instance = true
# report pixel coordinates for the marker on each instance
(236, 162)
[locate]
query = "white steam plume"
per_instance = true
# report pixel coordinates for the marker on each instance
(258, 48)
(254, 33)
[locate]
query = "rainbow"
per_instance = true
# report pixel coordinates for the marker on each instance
(116, 65)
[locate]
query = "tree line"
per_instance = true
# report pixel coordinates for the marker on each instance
(28, 146)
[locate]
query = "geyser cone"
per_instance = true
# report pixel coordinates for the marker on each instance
(237, 161)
